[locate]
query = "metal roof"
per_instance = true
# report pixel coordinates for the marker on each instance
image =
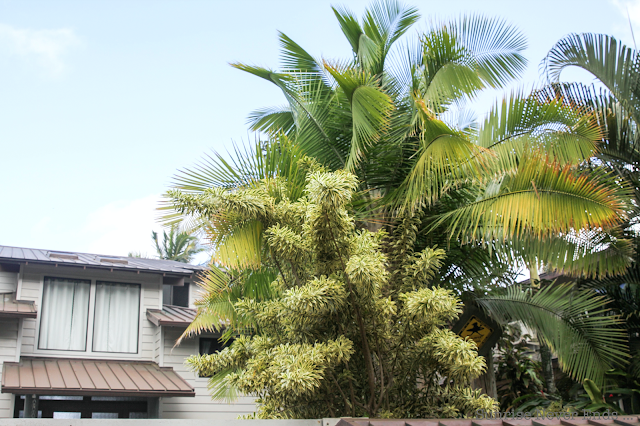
(59, 376)
(12, 308)
(24, 255)
(170, 315)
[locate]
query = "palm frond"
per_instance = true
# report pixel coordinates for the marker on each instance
(542, 200)
(349, 26)
(370, 109)
(585, 253)
(575, 324)
(272, 120)
(614, 64)
(495, 46)
(524, 123)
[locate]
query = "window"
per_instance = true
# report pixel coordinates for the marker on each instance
(64, 316)
(176, 295)
(211, 345)
(115, 328)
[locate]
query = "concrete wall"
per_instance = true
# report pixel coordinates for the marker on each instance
(31, 288)
(201, 406)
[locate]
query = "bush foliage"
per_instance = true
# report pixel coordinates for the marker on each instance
(352, 326)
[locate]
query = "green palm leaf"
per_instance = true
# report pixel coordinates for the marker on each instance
(575, 324)
(614, 64)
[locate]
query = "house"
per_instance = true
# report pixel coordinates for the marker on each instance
(92, 336)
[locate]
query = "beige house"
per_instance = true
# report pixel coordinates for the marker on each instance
(92, 336)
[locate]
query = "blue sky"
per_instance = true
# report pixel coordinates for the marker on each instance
(101, 102)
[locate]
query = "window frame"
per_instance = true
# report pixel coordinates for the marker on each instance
(86, 332)
(93, 333)
(216, 338)
(89, 352)
(171, 289)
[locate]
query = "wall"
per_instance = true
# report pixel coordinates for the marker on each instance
(8, 282)
(151, 298)
(201, 406)
(8, 353)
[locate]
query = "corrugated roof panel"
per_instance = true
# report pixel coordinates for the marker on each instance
(12, 308)
(40, 255)
(59, 376)
(170, 315)
(18, 253)
(28, 254)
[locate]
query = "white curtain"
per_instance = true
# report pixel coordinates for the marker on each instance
(116, 317)
(63, 317)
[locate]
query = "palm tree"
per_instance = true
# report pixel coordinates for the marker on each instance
(176, 245)
(395, 118)
(616, 103)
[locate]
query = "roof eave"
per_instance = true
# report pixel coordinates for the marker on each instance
(102, 267)
(13, 315)
(105, 392)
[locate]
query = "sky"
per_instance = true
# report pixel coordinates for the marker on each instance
(102, 102)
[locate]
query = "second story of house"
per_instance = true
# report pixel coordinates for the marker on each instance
(78, 305)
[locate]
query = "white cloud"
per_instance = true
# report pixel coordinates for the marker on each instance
(46, 47)
(123, 226)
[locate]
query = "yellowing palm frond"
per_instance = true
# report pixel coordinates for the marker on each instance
(542, 200)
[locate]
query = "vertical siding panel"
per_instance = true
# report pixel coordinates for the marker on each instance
(152, 292)
(8, 344)
(30, 291)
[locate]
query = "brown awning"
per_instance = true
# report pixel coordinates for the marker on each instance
(12, 308)
(56, 376)
(170, 315)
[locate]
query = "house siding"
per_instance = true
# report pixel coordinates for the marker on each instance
(151, 294)
(155, 343)
(201, 406)
(8, 353)
(8, 282)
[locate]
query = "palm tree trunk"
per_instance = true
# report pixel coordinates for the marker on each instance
(547, 367)
(492, 389)
(545, 352)
(533, 273)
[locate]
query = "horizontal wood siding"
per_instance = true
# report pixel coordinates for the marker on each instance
(201, 406)
(8, 282)
(151, 289)
(8, 348)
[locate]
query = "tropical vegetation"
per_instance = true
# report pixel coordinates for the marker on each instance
(614, 101)
(532, 184)
(353, 327)
(177, 245)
